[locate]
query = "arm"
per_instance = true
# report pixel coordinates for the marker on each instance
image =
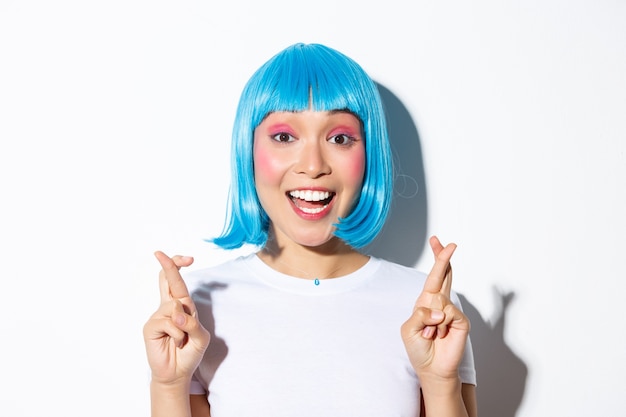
(169, 400)
(175, 342)
(468, 391)
(442, 405)
(176, 401)
(199, 406)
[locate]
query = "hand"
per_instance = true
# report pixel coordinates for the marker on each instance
(174, 337)
(436, 332)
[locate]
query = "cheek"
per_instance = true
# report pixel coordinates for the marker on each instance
(355, 168)
(266, 166)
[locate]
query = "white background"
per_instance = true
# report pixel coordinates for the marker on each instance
(115, 120)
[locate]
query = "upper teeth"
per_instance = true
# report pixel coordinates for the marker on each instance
(309, 195)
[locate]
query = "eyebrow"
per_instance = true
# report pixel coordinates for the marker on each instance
(348, 111)
(343, 111)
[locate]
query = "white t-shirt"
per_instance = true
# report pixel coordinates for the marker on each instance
(283, 346)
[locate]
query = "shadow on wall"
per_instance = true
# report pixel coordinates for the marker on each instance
(501, 374)
(403, 237)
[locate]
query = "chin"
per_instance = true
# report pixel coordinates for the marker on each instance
(319, 241)
(313, 242)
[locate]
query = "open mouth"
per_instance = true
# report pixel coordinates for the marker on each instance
(311, 201)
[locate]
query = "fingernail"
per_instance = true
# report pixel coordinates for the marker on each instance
(179, 319)
(428, 332)
(436, 314)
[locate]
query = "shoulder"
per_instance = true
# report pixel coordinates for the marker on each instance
(398, 282)
(402, 270)
(230, 271)
(405, 278)
(400, 274)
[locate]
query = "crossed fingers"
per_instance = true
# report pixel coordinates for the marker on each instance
(439, 279)
(171, 284)
(438, 286)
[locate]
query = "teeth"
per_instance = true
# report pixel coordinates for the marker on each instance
(313, 210)
(308, 195)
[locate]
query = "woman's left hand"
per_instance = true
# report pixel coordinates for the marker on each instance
(436, 333)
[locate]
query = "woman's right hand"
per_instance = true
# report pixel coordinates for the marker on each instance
(174, 337)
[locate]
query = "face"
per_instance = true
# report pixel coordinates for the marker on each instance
(308, 171)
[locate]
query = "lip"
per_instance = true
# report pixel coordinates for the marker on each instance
(316, 202)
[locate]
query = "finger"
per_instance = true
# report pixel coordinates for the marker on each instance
(442, 328)
(423, 320)
(182, 261)
(437, 276)
(435, 245)
(179, 261)
(447, 282)
(179, 320)
(164, 288)
(161, 327)
(437, 303)
(174, 283)
(174, 306)
(190, 324)
(453, 318)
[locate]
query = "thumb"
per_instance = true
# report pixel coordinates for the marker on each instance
(423, 321)
(190, 324)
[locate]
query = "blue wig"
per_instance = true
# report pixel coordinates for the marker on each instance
(296, 79)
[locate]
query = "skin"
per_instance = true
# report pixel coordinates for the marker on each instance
(314, 151)
(434, 337)
(308, 151)
(175, 341)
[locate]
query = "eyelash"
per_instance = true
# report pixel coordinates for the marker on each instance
(277, 137)
(349, 139)
(333, 139)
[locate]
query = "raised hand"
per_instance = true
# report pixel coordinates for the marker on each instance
(175, 340)
(436, 333)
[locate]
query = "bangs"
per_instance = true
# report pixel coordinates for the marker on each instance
(307, 77)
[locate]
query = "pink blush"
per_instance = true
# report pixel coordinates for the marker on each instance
(355, 167)
(267, 165)
(262, 160)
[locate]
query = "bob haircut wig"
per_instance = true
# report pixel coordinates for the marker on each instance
(316, 77)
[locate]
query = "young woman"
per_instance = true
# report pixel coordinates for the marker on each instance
(309, 325)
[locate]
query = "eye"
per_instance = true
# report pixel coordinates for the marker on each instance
(283, 137)
(341, 139)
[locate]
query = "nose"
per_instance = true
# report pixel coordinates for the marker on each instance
(312, 160)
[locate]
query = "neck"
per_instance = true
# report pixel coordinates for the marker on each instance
(331, 260)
